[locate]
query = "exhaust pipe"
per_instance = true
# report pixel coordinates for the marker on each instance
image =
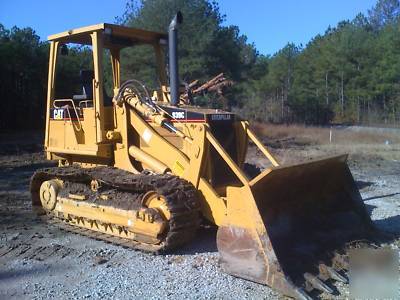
(173, 58)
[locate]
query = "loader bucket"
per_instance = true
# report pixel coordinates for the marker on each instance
(290, 227)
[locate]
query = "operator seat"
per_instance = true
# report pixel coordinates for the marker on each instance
(87, 85)
(87, 77)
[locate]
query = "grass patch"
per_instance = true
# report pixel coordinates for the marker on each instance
(325, 135)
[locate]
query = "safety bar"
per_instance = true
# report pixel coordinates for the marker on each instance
(260, 146)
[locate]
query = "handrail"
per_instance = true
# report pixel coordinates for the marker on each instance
(85, 102)
(76, 112)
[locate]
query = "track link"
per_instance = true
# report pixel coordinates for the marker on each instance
(125, 191)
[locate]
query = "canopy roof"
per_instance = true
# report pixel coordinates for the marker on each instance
(114, 36)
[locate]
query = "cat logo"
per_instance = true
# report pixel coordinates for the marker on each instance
(178, 114)
(58, 114)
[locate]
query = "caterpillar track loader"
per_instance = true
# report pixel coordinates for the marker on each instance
(142, 169)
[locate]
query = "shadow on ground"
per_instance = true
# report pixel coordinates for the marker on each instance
(22, 272)
(381, 196)
(389, 225)
(17, 177)
(363, 184)
(205, 241)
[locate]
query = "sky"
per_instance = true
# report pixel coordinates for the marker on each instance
(270, 25)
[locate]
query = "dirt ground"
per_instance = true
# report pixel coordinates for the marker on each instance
(40, 261)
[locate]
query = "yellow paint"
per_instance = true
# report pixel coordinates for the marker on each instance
(178, 168)
(77, 197)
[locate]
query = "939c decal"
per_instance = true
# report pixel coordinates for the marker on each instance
(178, 115)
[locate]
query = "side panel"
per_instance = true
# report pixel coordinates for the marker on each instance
(56, 137)
(77, 136)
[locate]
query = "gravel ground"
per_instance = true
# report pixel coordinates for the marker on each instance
(48, 263)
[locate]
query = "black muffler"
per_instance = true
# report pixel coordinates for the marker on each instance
(173, 58)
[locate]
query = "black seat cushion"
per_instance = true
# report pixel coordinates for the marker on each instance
(87, 88)
(87, 85)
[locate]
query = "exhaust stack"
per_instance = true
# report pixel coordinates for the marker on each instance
(173, 58)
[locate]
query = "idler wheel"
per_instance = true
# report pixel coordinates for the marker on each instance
(48, 193)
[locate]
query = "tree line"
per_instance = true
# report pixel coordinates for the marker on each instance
(349, 74)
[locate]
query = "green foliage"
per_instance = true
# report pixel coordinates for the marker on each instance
(23, 74)
(385, 12)
(349, 74)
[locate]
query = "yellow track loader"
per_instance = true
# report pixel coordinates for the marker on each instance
(142, 169)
